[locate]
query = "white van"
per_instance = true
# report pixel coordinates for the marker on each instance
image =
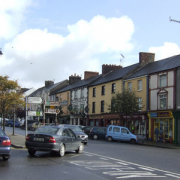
(121, 134)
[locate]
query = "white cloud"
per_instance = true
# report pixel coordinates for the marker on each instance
(11, 17)
(38, 55)
(167, 50)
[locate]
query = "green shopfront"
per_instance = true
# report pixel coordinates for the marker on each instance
(164, 121)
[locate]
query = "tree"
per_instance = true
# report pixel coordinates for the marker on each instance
(10, 96)
(125, 103)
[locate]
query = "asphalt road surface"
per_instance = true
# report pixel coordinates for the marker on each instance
(101, 160)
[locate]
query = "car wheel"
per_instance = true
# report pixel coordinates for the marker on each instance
(95, 136)
(9, 125)
(5, 158)
(62, 150)
(31, 152)
(132, 141)
(80, 149)
(109, 138)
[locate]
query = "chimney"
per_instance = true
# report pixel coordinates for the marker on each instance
(107, 68)
(145, 58)
(89, 74)
(49, 83)
(73, 79)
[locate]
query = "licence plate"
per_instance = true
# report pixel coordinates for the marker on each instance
(38, 139)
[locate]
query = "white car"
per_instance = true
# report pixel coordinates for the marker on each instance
(1, 119)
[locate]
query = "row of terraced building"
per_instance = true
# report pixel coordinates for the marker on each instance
(86, 101)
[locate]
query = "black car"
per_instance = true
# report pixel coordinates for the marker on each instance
(5, 145)
(28, 123)
(54, 139)
(78, 131)
(86, 129)
(98, 132)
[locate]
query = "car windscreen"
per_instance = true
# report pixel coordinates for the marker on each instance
(75, 128)
(46, 130)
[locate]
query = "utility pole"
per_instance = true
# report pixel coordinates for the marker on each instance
(173, 20)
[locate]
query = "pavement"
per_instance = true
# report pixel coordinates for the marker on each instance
(18, 141)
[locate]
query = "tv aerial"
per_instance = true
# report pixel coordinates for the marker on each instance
(173, 20)
(121, 59)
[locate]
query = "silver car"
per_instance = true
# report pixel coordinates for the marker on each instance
(5, 145)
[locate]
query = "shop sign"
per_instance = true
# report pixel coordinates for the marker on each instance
(96, 117)
(110, 116)
(161, 114)
(64, 103)
(34, 113)
(52, 111)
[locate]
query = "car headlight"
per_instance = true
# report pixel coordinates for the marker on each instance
(82, 136)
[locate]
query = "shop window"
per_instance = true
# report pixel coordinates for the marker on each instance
(113, 88)
(130, 86)
(140, 85)
(162, 101)
(94, 92)
(163, 80)
(103, 90)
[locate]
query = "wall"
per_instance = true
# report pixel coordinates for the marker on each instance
(142, 93)
(106, 98)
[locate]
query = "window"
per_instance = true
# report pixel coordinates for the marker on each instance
(163, 101)
(82, 92)
(93, 107)
(102, 106)
(163, 80)
(123, 130)
(139, 85)
(103, 90)
(75, 95)
(76, 109)
(113, 88)
(57, 98)
(82, 108)
(60, 97)
(130, 86)
(94, 92)
(140, 103)
(67, 96)
(116, 129)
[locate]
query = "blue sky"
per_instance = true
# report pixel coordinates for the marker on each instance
(51, 40)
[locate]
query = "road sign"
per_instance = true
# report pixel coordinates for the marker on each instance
(34, 100)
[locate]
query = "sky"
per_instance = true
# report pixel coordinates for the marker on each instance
(53, 39)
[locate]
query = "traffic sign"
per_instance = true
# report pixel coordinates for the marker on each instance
(34, 100)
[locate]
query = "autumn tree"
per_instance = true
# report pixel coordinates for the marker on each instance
(10, 96)
(125, 103)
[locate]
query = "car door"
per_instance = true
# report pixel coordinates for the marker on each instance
(67, 139)
(74, 140)
(116, 133)
(125, 135)
(101, 132)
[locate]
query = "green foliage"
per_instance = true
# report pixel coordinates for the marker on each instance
(10, 95)
(124, 103)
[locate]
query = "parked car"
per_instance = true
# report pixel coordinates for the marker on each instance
(10, 123)
(86, 129)
(78, 131)
(5, 145)
(121, 134)
(28, 122)
(53, 138)
(1, 120)
(98, 132)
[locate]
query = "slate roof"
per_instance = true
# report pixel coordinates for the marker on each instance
(157, 66)
(115, 75)
(79, 84)
(45, 89)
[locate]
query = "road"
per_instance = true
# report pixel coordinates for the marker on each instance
(101, 160)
